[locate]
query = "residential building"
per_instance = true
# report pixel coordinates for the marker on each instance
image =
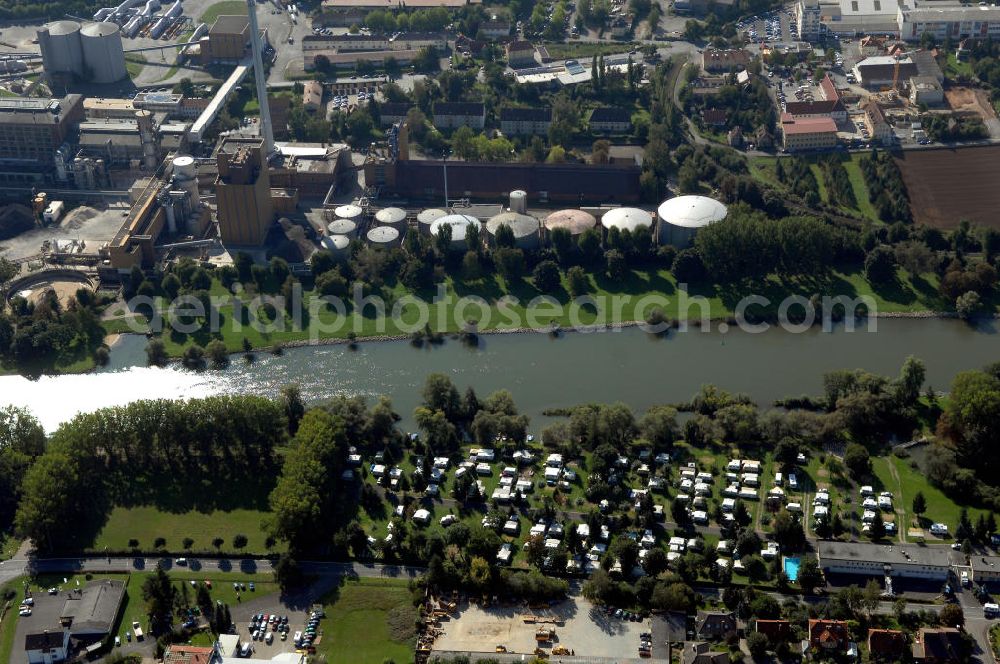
(939, 645)
(723, 60)
(610, 120)
(701, 653)
(523, 121)
(828, 89)
(46, 647)
(32, 129)
(878, 128)
(714, 117)
(353, 42)
(455, 114)
(835, 110)
(808, 133)
(763, 138)
(886, 644)
(897, 560)
(715, 625)
(807, 18)
(243, 195)
(926, 90)
(521, 54)
(180, 654)
(828, 635)
(775, 630)
(91, 612)
(494, 28)
(884, 71)
(391, 113)
(735, 138)
(620, 27)
(948, 21)
(312, 96)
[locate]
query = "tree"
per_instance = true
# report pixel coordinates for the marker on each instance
(546, 276)
(871, 596)
(509, 262)
(968, 305)
(295, 409)
(239, 541)
(919, 503)
(156, 353)
(857, 460)
(788, 531)
(217, 353)
(952, 615)
(617, 266)
(880, 266)
(159, 593)
(577, 281)
(757, 645)
(877, 528)
(809, 577)
(187, 543)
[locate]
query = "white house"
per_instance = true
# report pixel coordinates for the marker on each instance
(46, 647)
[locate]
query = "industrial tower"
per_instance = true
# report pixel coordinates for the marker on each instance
(258, 72)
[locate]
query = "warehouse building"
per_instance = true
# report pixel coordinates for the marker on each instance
(228, 40)
(882, 71)
(91, 612)
(896, 560)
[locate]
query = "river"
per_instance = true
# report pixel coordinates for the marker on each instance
(542, 372)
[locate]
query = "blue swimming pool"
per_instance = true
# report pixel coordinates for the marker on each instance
(791, 568)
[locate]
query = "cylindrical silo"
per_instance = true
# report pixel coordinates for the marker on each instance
(519, 201)
(681, 217)
(392, 216)
(186, 177)
(62, 52)
(349, 212)
(103, 56)
(426, 218)
(626, 219)
(386, 237)
(460, 224)
(338, 245)
(345, 227)
(524, 227)
(575, 221)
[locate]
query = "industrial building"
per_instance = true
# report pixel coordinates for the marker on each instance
(347, 50)
(884, 71)
(33, 129)
(807, 19)
(92, 52)
(682, 216)
(228, 40)
(134, 143)
(926, 90)
(949, 21)
(243, 195)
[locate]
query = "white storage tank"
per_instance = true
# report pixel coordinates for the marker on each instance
(426, 218)
(392, 216)
(524, 227)
(338, 245)
(519, 201)
(103, 56)
(626, 219)
(348, 212)
(681, 217)
(386, 237)
(186, 176)
(343, 227)
(460, 224)
(62, 52)
(575, 221)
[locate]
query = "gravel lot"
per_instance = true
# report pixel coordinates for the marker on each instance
(579, 626)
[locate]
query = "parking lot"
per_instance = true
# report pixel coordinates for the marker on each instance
(245, 619)
(579, 626)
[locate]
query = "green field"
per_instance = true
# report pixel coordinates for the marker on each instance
(222, 8)
(134, 64)
(367, 622)
(762, 168)
(147, 523)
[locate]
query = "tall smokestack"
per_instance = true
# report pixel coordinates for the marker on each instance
(258, 72)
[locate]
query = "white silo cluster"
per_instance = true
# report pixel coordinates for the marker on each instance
(524, 227)
(574, 221)
(338, 245)
(626, 219)
(426, 219)
(93, 51)
(681, 217)
(392, 216)
(385, 237)
(346, 227)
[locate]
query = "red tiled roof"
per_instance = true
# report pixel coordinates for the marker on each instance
(808, 126)
(829, 89)
(188, 655)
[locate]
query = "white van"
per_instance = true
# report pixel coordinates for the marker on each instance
(991, 610)
(793, 482)
(778, 479)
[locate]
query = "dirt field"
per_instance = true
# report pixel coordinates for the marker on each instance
(577, 623)
(970, 101)
(64, 289)
(947, 186)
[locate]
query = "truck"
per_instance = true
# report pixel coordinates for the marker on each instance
(137, 630)
(53, 212)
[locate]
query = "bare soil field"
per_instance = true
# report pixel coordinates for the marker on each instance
(968, 100)
(578, 625)
(947, 186)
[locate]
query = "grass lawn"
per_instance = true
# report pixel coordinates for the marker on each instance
(940, 508)
(8, 626)
(762, 168)
(222, 8)
(147, 523)
(8, 545)
(955, 67)
(368, 621)
(134, 63)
